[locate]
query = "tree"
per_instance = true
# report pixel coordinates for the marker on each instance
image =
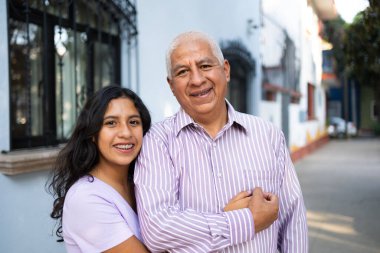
(362, 49)
(333, 32)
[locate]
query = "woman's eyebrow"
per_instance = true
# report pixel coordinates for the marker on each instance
(115, 117)
(134, 116)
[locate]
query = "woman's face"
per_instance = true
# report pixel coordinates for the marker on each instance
(120, 137)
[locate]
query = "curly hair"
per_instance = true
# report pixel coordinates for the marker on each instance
(80, 154)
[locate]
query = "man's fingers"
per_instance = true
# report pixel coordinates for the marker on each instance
(269, 196)
(264, 207)
(257, 192)
(241, 195)
(238, 202)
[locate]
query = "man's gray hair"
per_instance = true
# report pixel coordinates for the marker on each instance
(188, 36)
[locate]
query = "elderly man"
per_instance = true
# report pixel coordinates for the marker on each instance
(207, 178)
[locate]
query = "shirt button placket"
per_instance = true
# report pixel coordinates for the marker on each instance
(216, 169)
(218, 175)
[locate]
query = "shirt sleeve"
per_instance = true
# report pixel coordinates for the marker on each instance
(293, 233)
(93, 223)
(167, 227)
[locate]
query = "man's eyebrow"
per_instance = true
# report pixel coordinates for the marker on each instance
(177, 67)
(206, 59)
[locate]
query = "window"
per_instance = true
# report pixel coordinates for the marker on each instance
(375, 109)
(238, 87)
(310, 101)
(60, 53)
(242, 73)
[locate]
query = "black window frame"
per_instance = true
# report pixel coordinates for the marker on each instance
(47, 22)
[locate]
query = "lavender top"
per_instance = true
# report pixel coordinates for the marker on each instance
(184, 179)
(96, 217)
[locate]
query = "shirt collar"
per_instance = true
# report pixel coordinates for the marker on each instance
(234, 118)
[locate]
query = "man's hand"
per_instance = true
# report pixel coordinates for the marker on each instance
(264, 208)
(241, 200)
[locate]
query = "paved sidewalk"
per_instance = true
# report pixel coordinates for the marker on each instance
(341, 186)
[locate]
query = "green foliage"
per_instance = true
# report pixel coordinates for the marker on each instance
(362, 49)
(333, 32)
(362, 46)
(376, 128)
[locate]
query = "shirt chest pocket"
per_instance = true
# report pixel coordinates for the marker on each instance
(268, 180)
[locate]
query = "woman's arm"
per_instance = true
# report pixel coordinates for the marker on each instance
(131, 245)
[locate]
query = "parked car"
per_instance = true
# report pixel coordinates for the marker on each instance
(337, 128)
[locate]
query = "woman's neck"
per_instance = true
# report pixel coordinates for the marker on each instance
(117, 178)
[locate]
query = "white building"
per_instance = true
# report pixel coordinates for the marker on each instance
(59, 52)
(291, 49)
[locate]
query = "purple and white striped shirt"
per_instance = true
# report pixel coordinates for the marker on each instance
(184, 179)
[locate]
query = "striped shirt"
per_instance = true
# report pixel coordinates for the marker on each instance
(184, 178)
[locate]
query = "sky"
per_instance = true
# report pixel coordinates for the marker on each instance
(349, 8)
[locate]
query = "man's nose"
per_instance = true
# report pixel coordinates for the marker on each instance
(197, 77)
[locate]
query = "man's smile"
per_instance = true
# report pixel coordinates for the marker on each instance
(201, 93)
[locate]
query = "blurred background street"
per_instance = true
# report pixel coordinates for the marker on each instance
(341, 186)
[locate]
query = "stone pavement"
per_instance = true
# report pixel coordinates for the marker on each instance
(341, 187)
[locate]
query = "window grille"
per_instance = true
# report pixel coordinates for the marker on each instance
(61, 51)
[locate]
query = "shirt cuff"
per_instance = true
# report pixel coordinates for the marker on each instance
(241, 225)
(218, 225)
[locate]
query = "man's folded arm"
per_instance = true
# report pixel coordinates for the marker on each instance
(164, 225)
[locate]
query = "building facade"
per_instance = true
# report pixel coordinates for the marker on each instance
(293, 96)
(55, 54)
(60, 52)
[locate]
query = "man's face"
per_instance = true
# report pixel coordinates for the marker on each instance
(198, 80)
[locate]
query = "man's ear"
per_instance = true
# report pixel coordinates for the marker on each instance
(227, 69)
(170, 84)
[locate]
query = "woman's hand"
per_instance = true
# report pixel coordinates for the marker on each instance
(240, 201)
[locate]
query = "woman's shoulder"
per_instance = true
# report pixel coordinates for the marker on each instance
(95, 216)
(90, 192)
(89, 189)
(91, 199)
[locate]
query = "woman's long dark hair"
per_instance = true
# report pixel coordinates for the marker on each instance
(79, 156)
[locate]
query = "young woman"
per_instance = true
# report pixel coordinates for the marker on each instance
(93, 176)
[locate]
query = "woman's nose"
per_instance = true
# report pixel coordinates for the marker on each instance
(125, 131)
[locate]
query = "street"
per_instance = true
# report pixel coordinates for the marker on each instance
(341, 187)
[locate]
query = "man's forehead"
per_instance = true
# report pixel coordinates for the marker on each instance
(194, 51)
(198, 60)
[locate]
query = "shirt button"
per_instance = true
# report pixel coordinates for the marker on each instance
(214, 144)
(220, 175)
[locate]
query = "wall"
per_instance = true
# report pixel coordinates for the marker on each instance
(301, 25)
(25, 224)
(271, 111)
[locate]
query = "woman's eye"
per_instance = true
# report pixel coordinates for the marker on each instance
(134, 122)
(110, 123)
